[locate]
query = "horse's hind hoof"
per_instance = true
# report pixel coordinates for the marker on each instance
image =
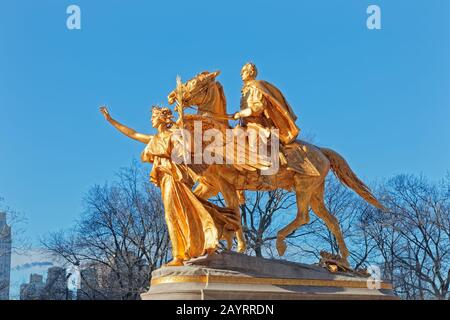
(281, 247)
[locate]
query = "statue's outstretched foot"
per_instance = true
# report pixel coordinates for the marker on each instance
(281, 247)
(177, 262)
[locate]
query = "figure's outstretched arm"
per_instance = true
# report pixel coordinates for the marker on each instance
(247, 112)
(253, 103)
(145, 138)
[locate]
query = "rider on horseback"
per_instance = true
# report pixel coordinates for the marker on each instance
(262, 103)
(264, 106)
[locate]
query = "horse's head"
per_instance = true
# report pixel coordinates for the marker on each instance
(195, 89)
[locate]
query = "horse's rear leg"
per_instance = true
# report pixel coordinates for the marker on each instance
(319, 208)
(303, 196)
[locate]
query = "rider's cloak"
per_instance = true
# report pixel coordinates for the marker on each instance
(276, 109)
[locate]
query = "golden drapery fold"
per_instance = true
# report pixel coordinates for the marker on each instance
(191, 227)
(260, 95)
(194, 225)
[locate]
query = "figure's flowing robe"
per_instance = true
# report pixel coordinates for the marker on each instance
(192, 223)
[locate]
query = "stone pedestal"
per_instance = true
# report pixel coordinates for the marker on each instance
(230, 275)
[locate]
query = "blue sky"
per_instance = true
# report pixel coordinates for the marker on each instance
(380, 98)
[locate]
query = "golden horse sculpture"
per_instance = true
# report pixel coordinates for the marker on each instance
(205, 93)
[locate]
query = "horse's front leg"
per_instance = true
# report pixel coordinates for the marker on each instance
(231, 198)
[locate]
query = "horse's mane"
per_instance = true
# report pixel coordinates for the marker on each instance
(222, 95)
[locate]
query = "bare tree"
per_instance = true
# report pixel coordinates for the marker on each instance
(350, 211)
(414, 237)
(121, 238)
(410, 242)
(263, 215)
(260, 216)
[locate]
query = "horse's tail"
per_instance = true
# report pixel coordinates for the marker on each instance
(345, 174)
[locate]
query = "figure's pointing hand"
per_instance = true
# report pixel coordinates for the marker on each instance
(105, 112)
(237, 116)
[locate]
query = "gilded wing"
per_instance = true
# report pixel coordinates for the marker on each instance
(206, 141)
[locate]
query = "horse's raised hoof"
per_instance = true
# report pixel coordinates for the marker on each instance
(281, 247)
